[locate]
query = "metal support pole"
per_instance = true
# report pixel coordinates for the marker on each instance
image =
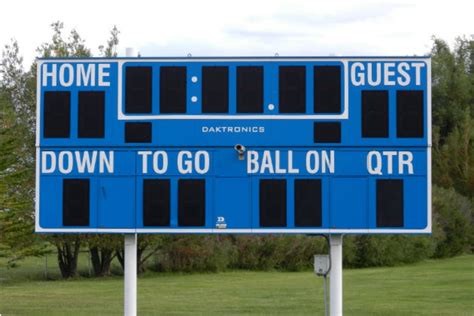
(130, 275)
(335, 276)
(130, 256)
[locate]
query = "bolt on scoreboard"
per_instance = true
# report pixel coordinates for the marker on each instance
(234, 145)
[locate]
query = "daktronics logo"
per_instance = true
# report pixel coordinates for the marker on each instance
(233, 129)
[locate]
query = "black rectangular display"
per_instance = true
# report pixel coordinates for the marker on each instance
(292, 89)
(272, 203)
(327, 132)
(156, 202)
(375, 113)
(215, 89)
(76, 202)
(250, 89)
(138, 86)
(308, 203)
(56, 114)
(172, 89)
(410, 114)
(138, 132)
(191, 202)
(91, 114)
(390, 203)
(327, 89)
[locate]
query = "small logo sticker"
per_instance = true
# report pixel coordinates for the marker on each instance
(221, 224)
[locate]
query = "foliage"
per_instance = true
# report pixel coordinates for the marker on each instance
(102, 249)
(454, 159)
(387, 250)
(453, 115)
(453, 225)
(110, 50)
(194, 253)
(16, 160)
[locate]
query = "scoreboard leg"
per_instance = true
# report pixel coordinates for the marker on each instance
(130, 275)
(335, 276)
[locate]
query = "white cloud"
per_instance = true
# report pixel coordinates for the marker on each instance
(159, 28)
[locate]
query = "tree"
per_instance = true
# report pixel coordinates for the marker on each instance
(148, 245)
(453, 229)
(110, 50)
(17, 160)
(453, 115)
(453, 91)
(102, 249)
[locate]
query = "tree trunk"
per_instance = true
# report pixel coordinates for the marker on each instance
(68, 253)
(142, 246)
(120, 253)
(101, 259)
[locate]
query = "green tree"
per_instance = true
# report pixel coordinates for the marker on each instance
(17, 163)
(453, 228)
(17, 160)
(452, 78)
(453, 115)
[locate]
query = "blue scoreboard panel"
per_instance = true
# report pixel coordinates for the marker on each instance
(234, 145)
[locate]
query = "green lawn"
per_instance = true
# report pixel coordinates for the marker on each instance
(435, 287)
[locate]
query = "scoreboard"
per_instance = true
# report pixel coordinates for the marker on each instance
(234, 145)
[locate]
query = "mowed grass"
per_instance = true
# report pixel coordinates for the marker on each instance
(434, 287)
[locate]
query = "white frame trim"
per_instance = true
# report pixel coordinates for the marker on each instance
(231, 231)
(343, 115)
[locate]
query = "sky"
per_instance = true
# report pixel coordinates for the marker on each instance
(243, 27)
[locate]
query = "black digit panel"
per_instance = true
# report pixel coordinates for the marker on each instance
(292, 89)
(138, 132)
(91, 114)
(138, 85)
(250, 89)
(156, 202)
(76, 202)
(327, 89)
(191, 202)
(272, 203)
(56, 114)
(172, 89)
(215, 89)
(327, 132)
(308, 204)
(389, 203)
(410, 114)
(375, 113)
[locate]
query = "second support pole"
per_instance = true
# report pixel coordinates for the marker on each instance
(130, 275)
(335, 276)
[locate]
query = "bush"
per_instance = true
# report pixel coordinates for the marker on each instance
(386, 250)
(453, 228)
(194, 253)
(260, 252)
(298, 251)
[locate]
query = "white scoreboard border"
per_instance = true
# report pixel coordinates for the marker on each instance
(344, 115)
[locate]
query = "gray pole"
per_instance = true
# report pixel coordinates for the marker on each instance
(335, 281)
(130, 264)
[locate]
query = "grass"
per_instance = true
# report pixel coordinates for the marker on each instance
(434, 287)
